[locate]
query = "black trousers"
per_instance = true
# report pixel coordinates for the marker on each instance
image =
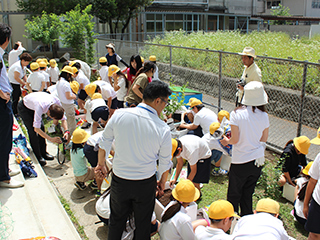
(127, 196)
(6, 122)
(38, 143)
(16, 93)
(242, 182)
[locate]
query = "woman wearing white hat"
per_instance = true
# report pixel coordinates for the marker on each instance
(112, 57)
(249, 133)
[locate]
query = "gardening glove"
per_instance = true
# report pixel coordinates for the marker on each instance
(259, 162)
(264, 145)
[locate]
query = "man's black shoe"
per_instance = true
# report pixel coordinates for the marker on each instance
(48, 157)
(42, 162)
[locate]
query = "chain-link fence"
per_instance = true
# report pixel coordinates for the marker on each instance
(292, 86)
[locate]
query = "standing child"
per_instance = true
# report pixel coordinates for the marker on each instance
(121, 84)
(53, 72)
(83, 82)
(36, 81)
(82, 172)
(43, 70)
(104, 69)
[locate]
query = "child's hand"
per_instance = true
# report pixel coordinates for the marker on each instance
(224, 141)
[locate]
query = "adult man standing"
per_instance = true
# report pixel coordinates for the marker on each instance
(141, 138)
(250, 73)
(6, 119)
(15, 53)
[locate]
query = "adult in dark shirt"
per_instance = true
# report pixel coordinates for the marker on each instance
(294, 159)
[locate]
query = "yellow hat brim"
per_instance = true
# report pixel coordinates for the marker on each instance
(316, 141)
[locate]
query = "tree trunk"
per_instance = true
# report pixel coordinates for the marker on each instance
(55, 48)
(111, 28)
(125, 26)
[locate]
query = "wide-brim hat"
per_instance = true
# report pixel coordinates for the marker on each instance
(103, 60)
(221, 209)
(80, 136)
(316, 140)
(254, 94)
(152, 58)
(194, 102)
(248, 51)
(222, 114)
(185, 191)
(112, 46)
(74, 70)
(42, 64)
(214, 127)
(96, 96)
(302, 143)
(90, 89)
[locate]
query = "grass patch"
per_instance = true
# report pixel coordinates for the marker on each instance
(73, 218)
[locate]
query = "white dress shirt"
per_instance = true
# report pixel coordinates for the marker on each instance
(40, 102)
(13, 56)
(141, 138)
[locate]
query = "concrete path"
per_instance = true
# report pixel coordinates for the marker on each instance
(35, 209)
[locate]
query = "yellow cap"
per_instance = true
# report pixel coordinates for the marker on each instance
(74, 86)
(153, 58)
(194, 102)
(90, 89)
(34, 66)
(96, 96)
(80, 136)
(316, 140)
(39, 60)
(72, 63)
(221, 209)
(103, 60)
(213, 127)
(53, 63)
(113, 69)
(185, 191)
(222, 114)
(67, 69)
(45, 60)
(302, 143)
(142, 59)
(74, 70)
(174, 145)
(42, 64)
(268, 205)
(307, 168)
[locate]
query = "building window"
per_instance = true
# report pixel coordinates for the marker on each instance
(315, 3)
(272, 4)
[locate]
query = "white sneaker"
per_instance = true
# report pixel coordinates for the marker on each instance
(12, 184)
(13, 172)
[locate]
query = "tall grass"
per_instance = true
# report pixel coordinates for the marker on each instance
(272, 44)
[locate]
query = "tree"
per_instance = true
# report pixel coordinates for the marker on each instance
(36, 7)
(280, 11)
(78, 33)
(46, 29)
(115, 12)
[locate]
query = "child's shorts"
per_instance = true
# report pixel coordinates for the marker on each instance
(100, 112)
(86, 177)
(312, 224)
(203, 171)
(114, 103)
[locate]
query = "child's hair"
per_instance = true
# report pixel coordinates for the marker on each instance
(66, 76)
(119, 73)
(76, 146)
(171, 211)
(290, 141)
(302, 192)
(137, 59)
(146, 67)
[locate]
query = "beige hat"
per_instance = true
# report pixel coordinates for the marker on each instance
(111, 45)
(248, 51)
(254, 94)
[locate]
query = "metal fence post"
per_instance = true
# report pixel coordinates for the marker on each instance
(220, 80)
(170, 49)
(303, 93)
